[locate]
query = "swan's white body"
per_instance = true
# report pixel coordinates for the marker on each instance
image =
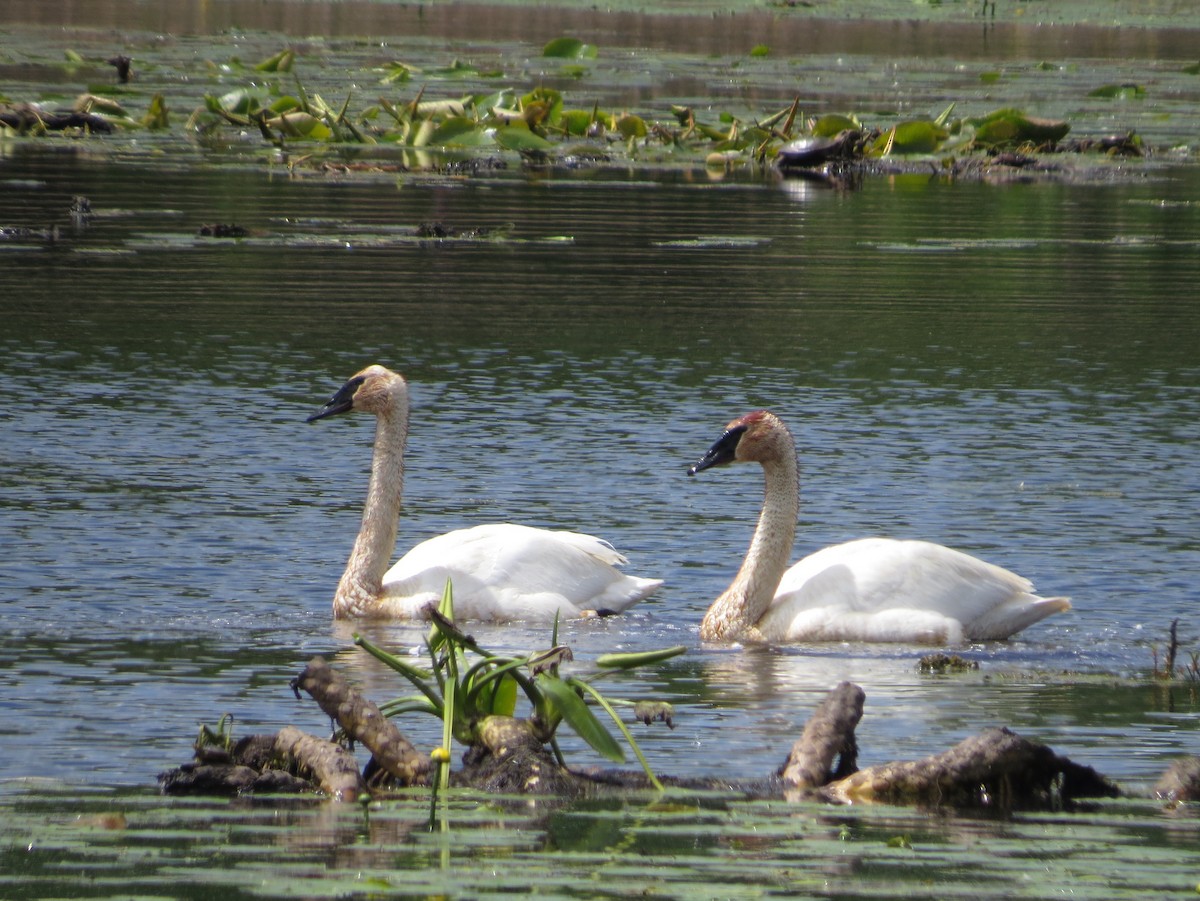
(872, 589)
(499, 572)
(504, 571)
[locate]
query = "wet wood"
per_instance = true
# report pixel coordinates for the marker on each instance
(363, 722)
(995, 769)
(331, 766)
(26, 118)
(828, 735)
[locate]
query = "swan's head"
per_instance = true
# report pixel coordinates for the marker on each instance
(757, 437)
(375, 389)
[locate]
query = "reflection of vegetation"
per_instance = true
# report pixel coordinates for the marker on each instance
(468, 693)
(1170, 669)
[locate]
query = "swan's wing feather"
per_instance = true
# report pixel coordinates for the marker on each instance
(882, 589)
(505, 571)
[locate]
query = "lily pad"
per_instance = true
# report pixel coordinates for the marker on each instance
(1119, 92)
(570, 48)
(521, 139)
(458, 131)
(1007, 127)
(832, 124)
(912, 137)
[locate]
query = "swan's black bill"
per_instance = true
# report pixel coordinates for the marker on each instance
(340, 402)
(721, 452)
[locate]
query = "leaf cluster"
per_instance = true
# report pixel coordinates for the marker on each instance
(463, 684)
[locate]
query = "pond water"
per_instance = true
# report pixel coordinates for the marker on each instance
(1009, 368)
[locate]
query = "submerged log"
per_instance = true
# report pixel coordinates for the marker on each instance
(828, 734)
(995, 769)
(363, 722)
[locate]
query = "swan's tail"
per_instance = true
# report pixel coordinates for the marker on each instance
(1010, 618)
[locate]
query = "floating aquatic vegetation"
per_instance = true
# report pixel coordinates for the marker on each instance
(1119, 92)
(474, 692)
(436, 132)
(570, 48)
(1011, 128)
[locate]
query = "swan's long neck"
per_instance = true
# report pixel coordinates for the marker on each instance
(362, 582)
(743, 603)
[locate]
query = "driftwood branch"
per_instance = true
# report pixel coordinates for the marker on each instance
(363, 722)
(995, 769)
(331, 766)
(828, 734)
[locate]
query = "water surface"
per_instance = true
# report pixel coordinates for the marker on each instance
(1009, 368)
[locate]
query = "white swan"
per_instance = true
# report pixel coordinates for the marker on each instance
(872, 589)
(499, 572)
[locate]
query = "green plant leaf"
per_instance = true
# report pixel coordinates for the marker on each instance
(503, 699)
(577, 121)
(600, 699)
(639, 658)
(832, 124)
(297, 124)
(238, 101)
(520, 138)
(280, 62)
(156, 116)
(631, 126)
(1119, 92)
(1011, 126)
(918, 137)
(459, 131)
(416, 675)
(565, 700)
(569, 48)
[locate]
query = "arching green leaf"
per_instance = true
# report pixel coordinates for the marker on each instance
(566, 702)
(280, 62)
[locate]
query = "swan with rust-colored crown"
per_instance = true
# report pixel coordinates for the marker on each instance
(872, 589)
(500, 572)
